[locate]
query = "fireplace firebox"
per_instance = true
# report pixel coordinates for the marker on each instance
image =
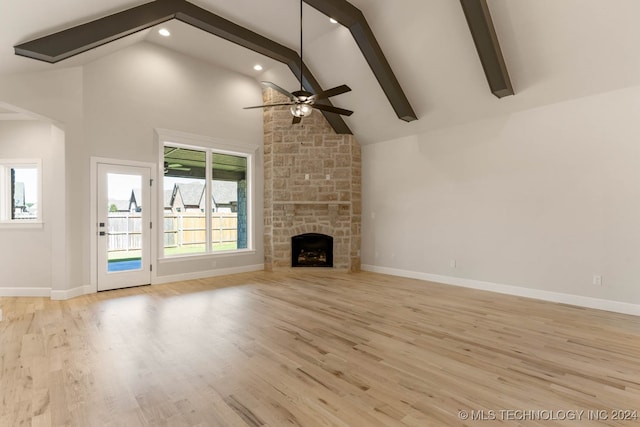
(312, 250)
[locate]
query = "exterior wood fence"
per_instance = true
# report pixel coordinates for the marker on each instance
(124, 231)
(180, 229)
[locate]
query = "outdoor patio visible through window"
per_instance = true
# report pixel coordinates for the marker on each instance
(204, 201)
(19, 190)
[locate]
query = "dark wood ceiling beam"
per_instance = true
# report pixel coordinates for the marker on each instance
(486, 41)
(216, 25)
(81, 38)
(352, 18)
(73, 41)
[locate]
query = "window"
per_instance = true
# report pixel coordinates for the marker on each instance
(206, 200)
(20, 188)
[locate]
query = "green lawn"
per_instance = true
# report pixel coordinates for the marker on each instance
(196, 249)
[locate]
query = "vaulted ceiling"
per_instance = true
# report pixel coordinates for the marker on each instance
(553, 51)
(82, 38)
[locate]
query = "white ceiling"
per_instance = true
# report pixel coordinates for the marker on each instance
(555, 50)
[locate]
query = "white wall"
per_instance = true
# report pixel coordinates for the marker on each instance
(542, 199)
(26, 260)
(110, 108)
(144, 87)
(57, 96)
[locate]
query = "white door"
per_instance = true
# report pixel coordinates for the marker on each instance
(124, 226)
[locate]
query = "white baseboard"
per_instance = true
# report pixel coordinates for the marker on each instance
(70, 293)
(25, 292)
(44, 292)
(577, 300)
(204, 274)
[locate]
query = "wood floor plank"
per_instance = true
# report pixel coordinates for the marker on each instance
(311, 349)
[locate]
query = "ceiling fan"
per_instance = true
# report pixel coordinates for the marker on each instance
(303, 102)
(175, 166)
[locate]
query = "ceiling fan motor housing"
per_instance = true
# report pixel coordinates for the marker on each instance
(303, 102)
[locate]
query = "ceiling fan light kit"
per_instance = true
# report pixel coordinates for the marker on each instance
(301, 102)
(301, 110)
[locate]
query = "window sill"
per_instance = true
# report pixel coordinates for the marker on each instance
(21, 225)
(195, 257)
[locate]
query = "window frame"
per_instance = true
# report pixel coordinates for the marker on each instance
(6, 220)
(208, 145)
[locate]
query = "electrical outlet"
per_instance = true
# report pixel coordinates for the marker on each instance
(597, 280)
(0, 315)
(328, 177)
(452, 263)
(306, 177)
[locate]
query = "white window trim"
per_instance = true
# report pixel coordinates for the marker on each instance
(5, 197)
(218, 145)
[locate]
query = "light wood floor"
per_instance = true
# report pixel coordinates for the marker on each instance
(271, 349)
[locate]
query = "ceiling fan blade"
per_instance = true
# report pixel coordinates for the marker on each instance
(331, 109)
(338, 90)
(266, 105)
(279, 89)
(296, 120)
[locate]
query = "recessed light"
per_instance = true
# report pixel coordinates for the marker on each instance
(257, 67)
(164, 32)
(333, 21)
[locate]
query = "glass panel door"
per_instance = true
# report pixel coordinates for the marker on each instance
(123, 226)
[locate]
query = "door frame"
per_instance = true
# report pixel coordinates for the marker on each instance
(93, 215)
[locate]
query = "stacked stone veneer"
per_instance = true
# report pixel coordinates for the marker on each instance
(294, 205)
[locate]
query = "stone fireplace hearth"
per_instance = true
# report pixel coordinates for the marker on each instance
(312, 179)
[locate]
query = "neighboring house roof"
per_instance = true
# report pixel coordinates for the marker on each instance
(225, 192)
(127, 205)
(136, 198)
(121, 205)
(168, 199)
(191, 193)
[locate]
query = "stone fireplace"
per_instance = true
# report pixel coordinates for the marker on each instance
(312, 179)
